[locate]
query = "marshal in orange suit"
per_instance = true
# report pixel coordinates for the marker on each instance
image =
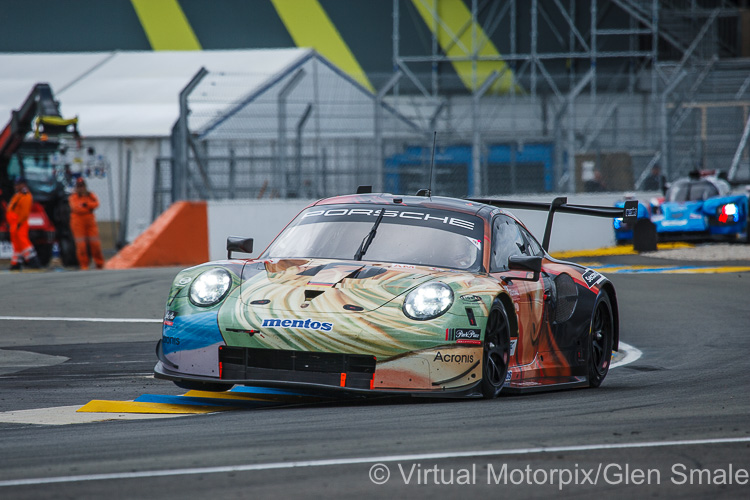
(17, 216)
(83, 224)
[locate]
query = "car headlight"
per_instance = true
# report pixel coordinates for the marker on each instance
(210, 287)
(428, 301)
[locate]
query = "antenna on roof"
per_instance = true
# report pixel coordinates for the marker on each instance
(432, 163)
(428, 192)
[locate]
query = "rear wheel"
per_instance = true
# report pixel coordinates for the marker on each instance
(496, 354)
(44, 252)
(68, 251)
(601, 339)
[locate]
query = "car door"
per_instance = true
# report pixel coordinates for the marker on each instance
(508, 239)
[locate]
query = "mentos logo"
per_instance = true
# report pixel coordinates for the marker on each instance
(306, 324)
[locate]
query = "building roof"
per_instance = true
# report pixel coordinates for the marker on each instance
(134, 94)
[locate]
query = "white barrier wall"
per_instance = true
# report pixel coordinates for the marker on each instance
(261, 220)
(264, 219)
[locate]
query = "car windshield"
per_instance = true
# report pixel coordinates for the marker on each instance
(412, 236)
(683, 191)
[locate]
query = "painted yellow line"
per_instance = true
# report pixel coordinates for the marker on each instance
(455, 33)
(102, 406)
(709, 270)
(165, 25)
(309, 26)
(655, 269)
(618, 250)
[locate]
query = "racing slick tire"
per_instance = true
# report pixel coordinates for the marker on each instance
(496, 355)
(44, 252)
(601, 337)
(68, 251)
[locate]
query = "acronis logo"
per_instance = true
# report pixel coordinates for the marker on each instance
(306, 324)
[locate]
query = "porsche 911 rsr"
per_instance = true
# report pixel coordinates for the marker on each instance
(377, 293)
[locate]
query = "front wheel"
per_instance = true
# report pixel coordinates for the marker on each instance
(496, 354)
(601, 340)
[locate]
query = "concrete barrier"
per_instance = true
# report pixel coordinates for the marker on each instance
(193, 232)
(178, 237)
(262, 220)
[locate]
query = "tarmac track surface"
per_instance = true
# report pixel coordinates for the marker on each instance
(684, 406)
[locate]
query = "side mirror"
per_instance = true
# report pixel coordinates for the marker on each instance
(526, 263)
(238, 244)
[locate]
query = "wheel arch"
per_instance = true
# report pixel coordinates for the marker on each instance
(608, 288)
(510, 312)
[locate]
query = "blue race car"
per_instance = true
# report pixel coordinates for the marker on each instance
(694, 208)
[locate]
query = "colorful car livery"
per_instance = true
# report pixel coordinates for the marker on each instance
(377, 293)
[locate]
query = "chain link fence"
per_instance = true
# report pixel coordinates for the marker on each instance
(313, 132)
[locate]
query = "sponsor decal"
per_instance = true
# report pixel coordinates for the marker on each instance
(508, 376)
(340, 212)
(475, 242)
(454, 358)
(464, 335)
(402, 266)
(471, 298)
(674, 223)
(592, 278)
(631, 212)
(170, 340)
(302, 324)
(6, 250)
(169, 317)
(513, 343)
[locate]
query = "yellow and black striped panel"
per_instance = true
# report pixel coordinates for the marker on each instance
(356, 35)
(165, 25)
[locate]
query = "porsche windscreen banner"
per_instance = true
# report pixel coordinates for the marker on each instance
(454, 222)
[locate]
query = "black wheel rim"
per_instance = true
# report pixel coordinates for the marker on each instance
(601, 332)
(496, 351)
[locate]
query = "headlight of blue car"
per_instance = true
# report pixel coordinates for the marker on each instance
(210, 287)
(428, 301)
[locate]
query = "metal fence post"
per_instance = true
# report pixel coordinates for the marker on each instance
(476, 149)
(281, 106)
(181, 144)
(378, 129)
(125, 204)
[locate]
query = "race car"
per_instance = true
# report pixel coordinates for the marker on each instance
(381, 293)
(699, 207)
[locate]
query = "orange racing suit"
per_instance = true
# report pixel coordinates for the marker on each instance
(85, 231)
(17, 216)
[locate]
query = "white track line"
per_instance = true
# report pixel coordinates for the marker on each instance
(90, 320)
(631, 354)
(362, 460)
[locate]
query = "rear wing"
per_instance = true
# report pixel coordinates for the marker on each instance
(628, 213)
